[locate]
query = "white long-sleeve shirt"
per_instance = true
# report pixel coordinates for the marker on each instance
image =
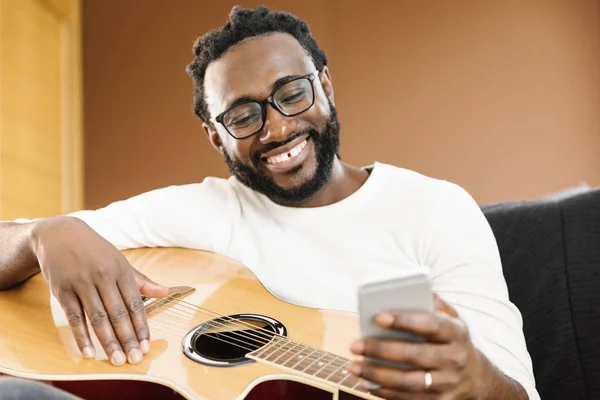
(317, 257)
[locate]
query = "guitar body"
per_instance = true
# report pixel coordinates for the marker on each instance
(36, 342)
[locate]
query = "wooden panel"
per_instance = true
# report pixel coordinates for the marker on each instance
(63, 7)
(73, 117)
(40, 166)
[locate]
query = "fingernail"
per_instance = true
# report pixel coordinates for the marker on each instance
(145, 345)
(118, 358)
(88, 352)
(385, 319)
(135, 356)
(358, 346)
(354, 368)
(371, 385)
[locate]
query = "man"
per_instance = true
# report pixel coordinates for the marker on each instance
(311, 227)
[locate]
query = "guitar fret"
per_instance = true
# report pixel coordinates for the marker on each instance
(339, 374)
(310, 361)
(278, 351)
(270, 346)
(316, 363)
(331, 365)
(289, 353)
(351, 382)
(300, 358)
(321, 372)
(348, 375)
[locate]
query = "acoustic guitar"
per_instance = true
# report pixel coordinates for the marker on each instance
(219, 334)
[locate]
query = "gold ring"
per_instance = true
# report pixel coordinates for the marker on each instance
(428, 380)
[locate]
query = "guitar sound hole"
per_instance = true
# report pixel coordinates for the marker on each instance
(231, 344)
(225, 341)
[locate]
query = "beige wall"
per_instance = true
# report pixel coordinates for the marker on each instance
(501, 97)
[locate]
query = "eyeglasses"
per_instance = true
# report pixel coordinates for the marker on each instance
(248, 118)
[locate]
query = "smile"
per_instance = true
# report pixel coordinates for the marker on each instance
(285, 160)
(287, 156)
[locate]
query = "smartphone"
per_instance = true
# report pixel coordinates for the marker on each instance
(411, 291)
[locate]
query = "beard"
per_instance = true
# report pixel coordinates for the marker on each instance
(326, 143)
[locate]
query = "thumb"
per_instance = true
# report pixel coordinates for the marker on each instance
(148, 287)
(441, 305)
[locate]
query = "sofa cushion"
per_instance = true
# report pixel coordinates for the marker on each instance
(581, 219)
(530, 237)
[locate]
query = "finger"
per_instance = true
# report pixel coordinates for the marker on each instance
(148, 287)
(118, 315)
(77, 322)
(422, 355)
(435, 326)
(137, 313)
(94, 308)
(402, 380)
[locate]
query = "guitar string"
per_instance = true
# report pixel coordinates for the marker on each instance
(329, 362)
(334, 363)
(262, 332)
(246, 337)
(281, 345)
(267, 337)
(233, 335)
(165, 325)
(286, 340)
(337, 363)
(349, 381)
(195, 308)
(268, 334)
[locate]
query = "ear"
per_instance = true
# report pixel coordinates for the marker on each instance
(213, 136)
(325, 77)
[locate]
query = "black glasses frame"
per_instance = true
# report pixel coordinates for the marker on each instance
(263, 106)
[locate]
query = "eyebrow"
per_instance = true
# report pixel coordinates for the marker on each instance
(274, 86)
(282, 81)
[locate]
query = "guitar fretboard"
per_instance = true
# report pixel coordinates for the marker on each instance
(307, 360)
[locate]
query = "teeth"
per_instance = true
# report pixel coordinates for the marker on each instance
(293, 152)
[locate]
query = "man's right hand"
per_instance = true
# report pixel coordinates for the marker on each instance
(89, 276)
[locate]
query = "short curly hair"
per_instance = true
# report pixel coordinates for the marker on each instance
(242, 24)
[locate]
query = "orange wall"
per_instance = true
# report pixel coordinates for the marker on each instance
(501, 97)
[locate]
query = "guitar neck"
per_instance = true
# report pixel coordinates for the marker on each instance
(310, 363)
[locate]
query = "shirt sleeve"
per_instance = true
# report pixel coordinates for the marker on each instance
(196, 216)
(466, 272)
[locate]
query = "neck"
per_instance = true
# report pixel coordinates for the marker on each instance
(344, 180)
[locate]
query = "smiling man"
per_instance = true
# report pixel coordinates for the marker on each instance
(289, 100)
(265, 97)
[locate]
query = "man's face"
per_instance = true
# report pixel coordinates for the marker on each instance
(291, 157)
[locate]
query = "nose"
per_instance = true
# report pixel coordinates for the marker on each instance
(277, 126)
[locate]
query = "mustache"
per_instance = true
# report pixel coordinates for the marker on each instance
(273, 145)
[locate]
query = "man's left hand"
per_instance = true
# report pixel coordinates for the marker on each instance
(448, 366)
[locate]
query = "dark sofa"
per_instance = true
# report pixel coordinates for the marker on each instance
(550, 251)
